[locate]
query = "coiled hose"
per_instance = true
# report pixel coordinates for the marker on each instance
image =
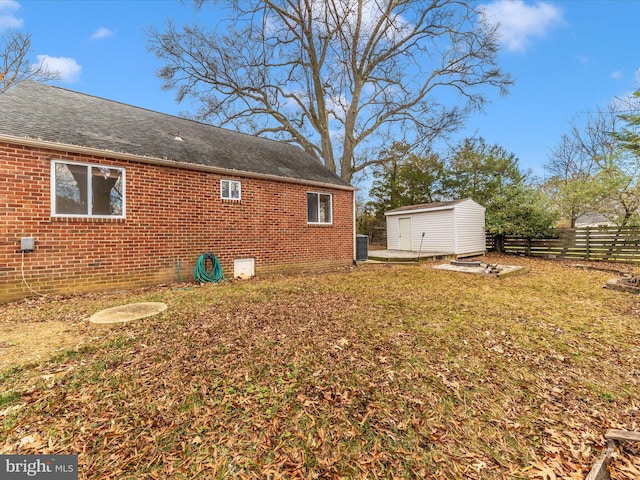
(200, 271)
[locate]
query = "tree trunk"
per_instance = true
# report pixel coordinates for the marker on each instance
(499, 243)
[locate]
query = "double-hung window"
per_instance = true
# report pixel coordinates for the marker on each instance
(319, 208)
(85, 190)
(230, 190)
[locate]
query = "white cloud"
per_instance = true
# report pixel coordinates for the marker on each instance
(396, 26)
(519, 23)
(101, 33)
(7, 17)
(583, 60)
(67, 69)
(617, 75)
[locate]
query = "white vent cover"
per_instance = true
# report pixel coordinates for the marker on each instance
(244, 268)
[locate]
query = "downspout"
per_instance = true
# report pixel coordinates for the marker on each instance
(353, 232)
(455, 232)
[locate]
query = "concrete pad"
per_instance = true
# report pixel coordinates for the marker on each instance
(407, 256)
(127, 313)
(505, 270)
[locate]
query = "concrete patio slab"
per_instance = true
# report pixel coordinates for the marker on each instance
(127, 313)
(502, 270)
(406, 256)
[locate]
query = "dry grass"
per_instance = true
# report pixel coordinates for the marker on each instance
(380, 372)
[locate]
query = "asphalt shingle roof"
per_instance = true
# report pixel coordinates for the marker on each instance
(425, 206)
(36, 111)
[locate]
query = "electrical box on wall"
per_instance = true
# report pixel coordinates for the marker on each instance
(27, 244)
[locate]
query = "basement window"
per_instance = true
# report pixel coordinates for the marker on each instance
(230, 189)
(319, 208)
(84, 190)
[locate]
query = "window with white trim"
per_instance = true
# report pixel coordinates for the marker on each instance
(230, 189)
(319, 208)
(85, 190)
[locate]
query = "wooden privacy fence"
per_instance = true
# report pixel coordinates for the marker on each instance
(616, 244)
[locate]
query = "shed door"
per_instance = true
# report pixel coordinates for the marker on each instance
(404, 234)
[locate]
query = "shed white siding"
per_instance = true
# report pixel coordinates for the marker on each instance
(449, 227)
(393, 231)
(438, 228)
(470, 228)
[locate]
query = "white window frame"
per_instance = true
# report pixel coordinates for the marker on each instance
(229, 189)
(89, 213)
(318, 195)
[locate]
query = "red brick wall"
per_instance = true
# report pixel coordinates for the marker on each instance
(171, 215)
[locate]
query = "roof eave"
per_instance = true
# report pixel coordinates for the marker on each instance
(79, 149)
(419, 210)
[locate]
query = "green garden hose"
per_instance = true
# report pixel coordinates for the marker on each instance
(200, 271)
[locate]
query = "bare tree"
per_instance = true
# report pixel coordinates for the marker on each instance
(590, 172)
(341, 78)
(15, 65)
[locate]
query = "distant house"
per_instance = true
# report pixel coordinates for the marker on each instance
(456, 228)
(593, 220)
(117, 196)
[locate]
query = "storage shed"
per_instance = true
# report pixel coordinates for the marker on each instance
(456, 227)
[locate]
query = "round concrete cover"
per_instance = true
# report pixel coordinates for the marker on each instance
(126, 313)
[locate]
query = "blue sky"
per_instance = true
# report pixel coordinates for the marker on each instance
(567, 58)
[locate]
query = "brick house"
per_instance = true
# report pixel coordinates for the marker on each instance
(116, 196)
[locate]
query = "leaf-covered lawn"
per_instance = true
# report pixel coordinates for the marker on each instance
(378, 372)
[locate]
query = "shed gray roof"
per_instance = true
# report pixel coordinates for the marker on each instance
(426, 206)
(32, 110)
